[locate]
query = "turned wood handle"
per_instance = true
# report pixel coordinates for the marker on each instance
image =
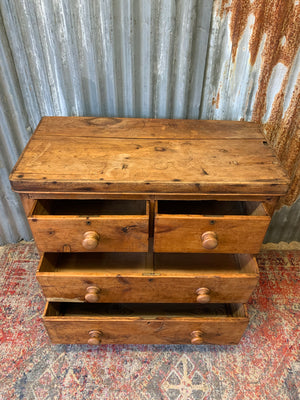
(203, 295)
(92, 294)
(90, 240)
(95, 338)
(197, 337)
(209, 240)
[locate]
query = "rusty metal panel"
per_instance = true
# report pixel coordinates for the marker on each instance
(253, 60)
(253, 73)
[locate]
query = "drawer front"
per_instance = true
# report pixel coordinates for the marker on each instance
(87, 232)
(142, 327)
(107, 234)
(94, 278)
(209, 226)
(227, 234)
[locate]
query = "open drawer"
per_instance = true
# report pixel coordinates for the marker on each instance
(209, 226)
(90, 225)
(145, 323)
(125, 277)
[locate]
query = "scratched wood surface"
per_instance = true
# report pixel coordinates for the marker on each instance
(124, 277)
(73, 154)
(144, 323)
(235, 234)
(117, 233)
(121, 227)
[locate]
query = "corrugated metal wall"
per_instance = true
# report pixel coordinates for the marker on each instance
(136, 58)
(253, 73)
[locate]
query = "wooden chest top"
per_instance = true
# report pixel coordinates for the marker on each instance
(128, 155)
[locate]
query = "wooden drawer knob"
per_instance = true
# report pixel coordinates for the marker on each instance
(92, 294)
(90, 240)
(95, 338)
(209, 240)
(203, 295)
(197, 337)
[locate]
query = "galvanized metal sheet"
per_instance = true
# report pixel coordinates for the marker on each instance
(285, 225)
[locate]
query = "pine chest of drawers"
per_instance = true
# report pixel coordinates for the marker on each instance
(147, 228)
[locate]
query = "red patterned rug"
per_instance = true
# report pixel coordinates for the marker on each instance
(265, 365)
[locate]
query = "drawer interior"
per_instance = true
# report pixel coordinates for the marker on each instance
(93, 263)
(210, 207)
(214, 264)
(90, 207)
(171, 264)
(144, 311)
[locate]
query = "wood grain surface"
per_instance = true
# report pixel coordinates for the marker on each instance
(117, 233)
(174, 278)
(133, 155)
(145, 324)
(148, 128)
(56, 224)
(235, 234)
